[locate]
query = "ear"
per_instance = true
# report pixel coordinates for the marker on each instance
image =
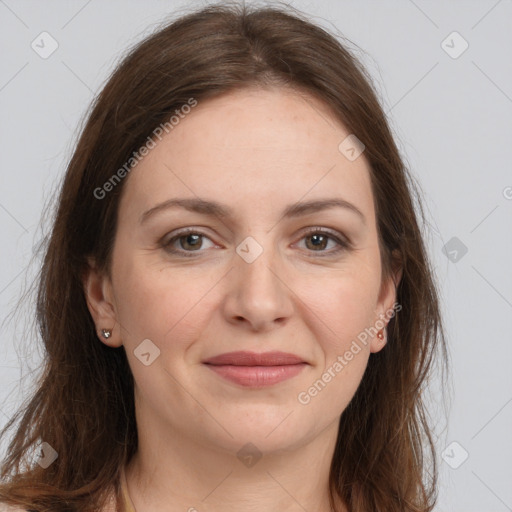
(100, 301)
(386, 304)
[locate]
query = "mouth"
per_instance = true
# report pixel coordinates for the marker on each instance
(255, 370)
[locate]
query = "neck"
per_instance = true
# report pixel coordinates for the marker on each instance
(171, 472)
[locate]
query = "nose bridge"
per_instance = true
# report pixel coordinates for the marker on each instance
(258, 295)
(256, 266)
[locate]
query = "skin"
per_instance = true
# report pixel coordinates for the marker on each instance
(256, 151)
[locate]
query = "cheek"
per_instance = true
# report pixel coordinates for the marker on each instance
(339, 314)
(344, 305)
(159, 304)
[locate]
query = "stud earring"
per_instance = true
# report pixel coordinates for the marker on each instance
(106, 333)
(380, 335)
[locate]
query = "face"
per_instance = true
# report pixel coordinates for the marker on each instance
(246, 229)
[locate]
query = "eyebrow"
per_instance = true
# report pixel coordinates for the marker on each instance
(213, 208)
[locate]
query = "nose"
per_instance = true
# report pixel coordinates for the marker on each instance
(258, 297)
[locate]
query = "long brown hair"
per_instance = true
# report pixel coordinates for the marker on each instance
(83, 406)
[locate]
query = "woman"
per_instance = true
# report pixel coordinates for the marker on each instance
(236, 302)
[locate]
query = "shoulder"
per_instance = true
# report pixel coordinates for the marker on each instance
(11, 508)
(110, 506)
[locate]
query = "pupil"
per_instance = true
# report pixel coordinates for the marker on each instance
(195, 240)
(318, 240)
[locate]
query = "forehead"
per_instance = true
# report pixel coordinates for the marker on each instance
(269, 146)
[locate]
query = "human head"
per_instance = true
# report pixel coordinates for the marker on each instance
(206, 55)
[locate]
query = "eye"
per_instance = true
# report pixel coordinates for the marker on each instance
(186, 242)
(317, 240)
(190, 242)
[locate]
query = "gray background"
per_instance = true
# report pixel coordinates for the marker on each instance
(451, 117)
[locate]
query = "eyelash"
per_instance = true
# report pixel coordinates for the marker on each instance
(344, 245)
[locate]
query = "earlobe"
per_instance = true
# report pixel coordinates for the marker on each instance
(99, 298)
(379, 341)
(386, 308)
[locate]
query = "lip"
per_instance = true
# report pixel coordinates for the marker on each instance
(244, 358)
(257, 370)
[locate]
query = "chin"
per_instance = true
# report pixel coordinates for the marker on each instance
(268, 434)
